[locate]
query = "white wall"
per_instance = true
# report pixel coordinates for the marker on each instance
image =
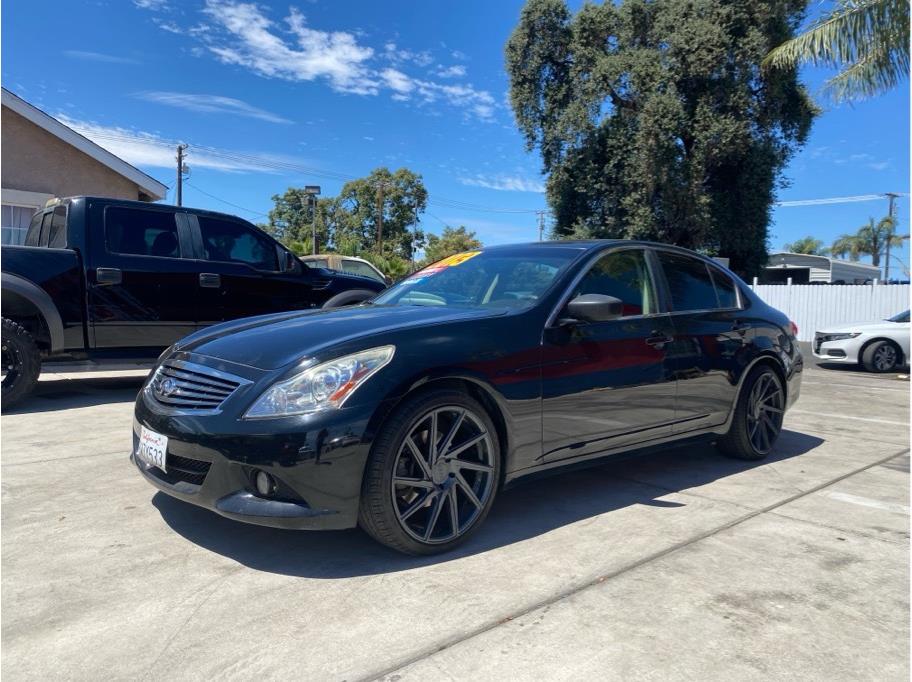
(814, 307)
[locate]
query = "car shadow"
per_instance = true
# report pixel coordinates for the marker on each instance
(66, 394)
(525, 511)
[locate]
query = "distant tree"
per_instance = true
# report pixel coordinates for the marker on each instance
(451, 241)
(870, 240)
(808, 245)
(654, 119)
(866, 40)
(400, 195)
(291, 220)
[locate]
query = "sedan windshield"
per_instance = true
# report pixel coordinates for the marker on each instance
(491, 279)
(901, 317)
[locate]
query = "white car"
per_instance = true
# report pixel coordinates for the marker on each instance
(878, 346)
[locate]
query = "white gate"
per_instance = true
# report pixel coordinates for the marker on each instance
(815, 306)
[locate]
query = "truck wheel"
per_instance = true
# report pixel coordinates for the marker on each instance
(349, 298)
(21, 363)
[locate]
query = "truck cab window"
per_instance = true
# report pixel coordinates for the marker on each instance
(228, 241)
(141, 233)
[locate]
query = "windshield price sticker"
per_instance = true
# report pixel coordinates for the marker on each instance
(441, 265)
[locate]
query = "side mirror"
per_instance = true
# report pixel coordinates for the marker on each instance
(291, 263)
(595, 308)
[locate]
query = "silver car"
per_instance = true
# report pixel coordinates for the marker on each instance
(878, 346)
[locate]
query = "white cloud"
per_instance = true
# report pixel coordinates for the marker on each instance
(147, 149)
(241, 33)
(154, 5)
(457, 71)
(504, 183)
(98, 57)
(210, 104)
(334, 56)
(879, 165)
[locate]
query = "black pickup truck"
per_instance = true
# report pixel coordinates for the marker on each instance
(106, 279)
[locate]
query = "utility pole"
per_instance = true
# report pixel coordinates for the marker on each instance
(541, 224)
(313, 191)
(892, 197)
(180, 173)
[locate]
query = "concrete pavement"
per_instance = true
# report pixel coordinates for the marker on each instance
(678, 565)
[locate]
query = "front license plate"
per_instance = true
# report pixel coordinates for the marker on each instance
(152, 448)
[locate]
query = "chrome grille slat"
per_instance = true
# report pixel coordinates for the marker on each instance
(191, 387)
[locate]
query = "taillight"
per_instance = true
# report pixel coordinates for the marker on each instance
(794, 329)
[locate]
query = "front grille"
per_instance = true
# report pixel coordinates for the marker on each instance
(183, 469)
(188, 386)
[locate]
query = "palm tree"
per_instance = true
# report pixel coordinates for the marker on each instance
(866, 40)
(870, 240)
(808, 245)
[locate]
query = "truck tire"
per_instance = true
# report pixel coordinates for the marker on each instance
(21, 364)
(350, 297)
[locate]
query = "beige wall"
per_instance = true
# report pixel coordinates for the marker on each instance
(36, 161)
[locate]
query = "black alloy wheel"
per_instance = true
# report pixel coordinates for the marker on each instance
(21, 363)
(438, 461)
(757, 419)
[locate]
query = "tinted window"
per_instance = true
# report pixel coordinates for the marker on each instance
(356, 267)
(901, 317)
(689, 282)
(226, 240)
(57, 233)
(725, 289)
(141, 233)
(624, 275)
(34, 231)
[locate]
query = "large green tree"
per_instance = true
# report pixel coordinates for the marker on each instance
(291, 220)
(870, 240)
(654, 119)
(400, 197)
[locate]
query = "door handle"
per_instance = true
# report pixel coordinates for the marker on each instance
(108, 276)
(210, 280)
(658, 339)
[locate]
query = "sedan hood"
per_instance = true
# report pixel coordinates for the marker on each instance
(867, 327)
(273, 341)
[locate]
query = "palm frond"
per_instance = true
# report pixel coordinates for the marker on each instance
(868, 40)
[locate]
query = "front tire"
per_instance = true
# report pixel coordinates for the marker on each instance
(881, 356)
(432, 474)
(21, 363)
(757, 419)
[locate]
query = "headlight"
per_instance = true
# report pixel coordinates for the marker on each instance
(840, 337)
(321, 387)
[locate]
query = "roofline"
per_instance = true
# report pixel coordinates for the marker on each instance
(827, 258)
(145, 182)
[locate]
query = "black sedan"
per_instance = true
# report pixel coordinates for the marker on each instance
(407, 414)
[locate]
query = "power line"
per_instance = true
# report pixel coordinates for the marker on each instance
(212, 196)
(836, 200)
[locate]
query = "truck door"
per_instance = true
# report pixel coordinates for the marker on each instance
(141, 287)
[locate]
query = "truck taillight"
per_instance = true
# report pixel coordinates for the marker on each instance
(793, 328)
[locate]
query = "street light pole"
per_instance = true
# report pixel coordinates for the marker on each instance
(892, 197)
(313, 191)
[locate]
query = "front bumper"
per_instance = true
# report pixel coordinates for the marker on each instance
(317, 461)
(844, 350)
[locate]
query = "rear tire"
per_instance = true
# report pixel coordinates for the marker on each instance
(21, 363)
(441, 495)
(881, 356)
(757, 419)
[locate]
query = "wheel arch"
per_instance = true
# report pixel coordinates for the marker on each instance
(764, 359)
(23, 300)
(869, 342)
(468, 384)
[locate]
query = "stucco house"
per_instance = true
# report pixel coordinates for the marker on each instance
(43, 159)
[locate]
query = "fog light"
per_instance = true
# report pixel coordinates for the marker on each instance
(265, 484)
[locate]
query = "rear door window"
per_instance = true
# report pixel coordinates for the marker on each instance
(139, 232)
(228, 241)
(57, 235)
(725, 288)
(33, 236)
(689, 282)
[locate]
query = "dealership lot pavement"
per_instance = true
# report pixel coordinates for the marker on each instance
(682, 564)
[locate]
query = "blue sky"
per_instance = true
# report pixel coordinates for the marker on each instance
(313, 92)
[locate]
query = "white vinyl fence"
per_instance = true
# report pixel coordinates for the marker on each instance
(815, 306)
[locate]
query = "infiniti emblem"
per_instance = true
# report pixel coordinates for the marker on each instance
(167, 387)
